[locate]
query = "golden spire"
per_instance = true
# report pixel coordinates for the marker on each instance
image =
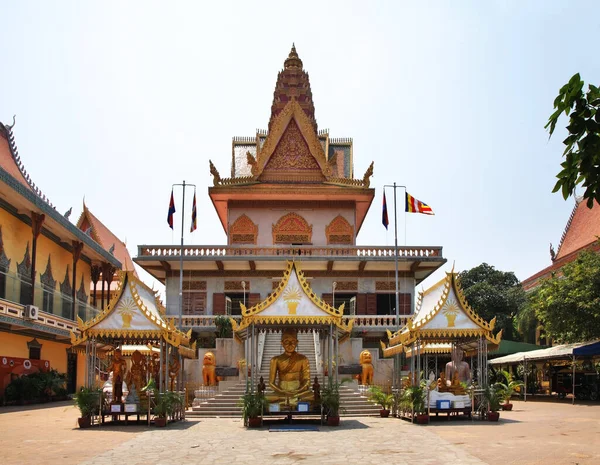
(293, 61)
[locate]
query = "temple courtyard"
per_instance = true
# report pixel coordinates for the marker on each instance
(533, 433)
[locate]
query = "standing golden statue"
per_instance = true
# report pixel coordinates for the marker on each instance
(118, 370)
(289, 373)
(366, 362)
(136, 378)
(174, 367)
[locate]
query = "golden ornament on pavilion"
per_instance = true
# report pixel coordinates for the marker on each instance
(450, 311)
(126, 309)
(292, 297)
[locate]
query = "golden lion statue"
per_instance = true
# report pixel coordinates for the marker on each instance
(366, 361)
(208, 369)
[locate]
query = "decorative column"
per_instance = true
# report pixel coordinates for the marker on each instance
(95, 275)
(77, 248)
(37, 220)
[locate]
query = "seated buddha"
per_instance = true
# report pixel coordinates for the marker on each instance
(289, 374)
(456, 388)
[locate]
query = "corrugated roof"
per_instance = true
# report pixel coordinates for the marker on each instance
(556, 352)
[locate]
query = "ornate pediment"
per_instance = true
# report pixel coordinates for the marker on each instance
(243, 231)
(339, 231)
(293, 128)
(292, 228)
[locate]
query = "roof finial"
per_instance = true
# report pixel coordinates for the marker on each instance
(293, 61)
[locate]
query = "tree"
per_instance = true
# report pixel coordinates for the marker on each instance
(493, 293)
(568, 304)
(582, 152)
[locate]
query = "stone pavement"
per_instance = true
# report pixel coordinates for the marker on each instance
(224, 441)
(534, 433)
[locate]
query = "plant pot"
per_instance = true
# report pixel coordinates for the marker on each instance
(160, 421)
(333, 421)
(493, 416)
(384, 413)
(507, 406)
(422, 419)
(84, 422)
(254, 422)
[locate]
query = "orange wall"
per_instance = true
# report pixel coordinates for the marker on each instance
(16, 235)
(15, 345)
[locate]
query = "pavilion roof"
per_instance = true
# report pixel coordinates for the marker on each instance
(134, 315)
(443, 315)
(294, 304)
(582, 229)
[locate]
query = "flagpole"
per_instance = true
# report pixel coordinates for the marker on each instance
(180, 312)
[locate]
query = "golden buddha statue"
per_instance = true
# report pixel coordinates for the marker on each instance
(442, 385)
(455, 387)
(289, 373)
(366, 361)
(209, 369)
(174, 368)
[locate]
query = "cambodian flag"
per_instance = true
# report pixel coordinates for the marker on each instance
(171, 211)
(384, 214)
(194, 223)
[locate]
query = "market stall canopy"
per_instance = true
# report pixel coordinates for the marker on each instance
(443, 316)
(293, 303)
(564, 351)
(135, 315)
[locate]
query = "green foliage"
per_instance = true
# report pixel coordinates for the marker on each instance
(582, 146)
(223, 324)
(23, 388)
(331, 399)
(532, 383)
(87, 400)
(568, 305)
(253, 405)
(167, 403)
(507, 389)
(413, 398)
(377, 395)
(492, 397)
(493, 293)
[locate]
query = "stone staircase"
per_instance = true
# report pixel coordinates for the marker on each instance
(224, 404)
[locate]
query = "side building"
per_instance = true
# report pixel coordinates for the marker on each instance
(291, 195)
(46, 267)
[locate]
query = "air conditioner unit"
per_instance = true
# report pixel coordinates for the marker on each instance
(31, 312)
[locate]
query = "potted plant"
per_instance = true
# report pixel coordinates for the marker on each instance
(508, 389)
(331, 401)
(166, 405)
(253, 405)
(87, 401)
(377, 395)
(413, 400)
(492, 397)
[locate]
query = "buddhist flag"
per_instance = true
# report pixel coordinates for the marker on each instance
(416, 206)
(194, 224)
(384, 214)
(171, 211)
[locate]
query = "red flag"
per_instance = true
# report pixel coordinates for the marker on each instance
(171, 211)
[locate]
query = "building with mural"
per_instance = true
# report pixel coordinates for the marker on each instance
(291, 194)
(46, 266)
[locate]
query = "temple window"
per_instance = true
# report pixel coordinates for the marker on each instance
(24, 274)
(35, 349)
(386, 304)
(194, 297)
(4, 267)
(48, 286)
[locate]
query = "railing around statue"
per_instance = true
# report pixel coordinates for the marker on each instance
(223, 251)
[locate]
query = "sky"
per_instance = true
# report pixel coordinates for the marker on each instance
(117, 101)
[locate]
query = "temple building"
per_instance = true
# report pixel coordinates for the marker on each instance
(581, 233)
(291, 195)
(46, 266)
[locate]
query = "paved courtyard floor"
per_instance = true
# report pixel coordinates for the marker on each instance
(534, 433)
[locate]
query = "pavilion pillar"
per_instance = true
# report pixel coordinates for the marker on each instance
(37, 220)
(77, 248)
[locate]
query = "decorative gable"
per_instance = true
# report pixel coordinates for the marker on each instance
(292, 229)
(339, 231)
(292, 159)
(243, 231)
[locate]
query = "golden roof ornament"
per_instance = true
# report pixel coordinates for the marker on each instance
(293, 61)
